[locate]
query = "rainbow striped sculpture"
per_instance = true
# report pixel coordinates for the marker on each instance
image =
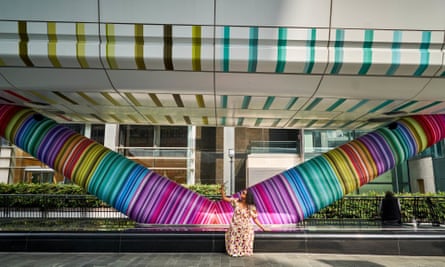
(147, 197)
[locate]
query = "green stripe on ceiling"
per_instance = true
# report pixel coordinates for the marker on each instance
(200, 101)
(169, 119)
(382, 105)
(310, 43)
(88, 98)
(246, 102)
(362, 125)
(443, 74)
(115, 118)
(205, 120)
(367, 52)
(178, 100)
(97, 117)
(240, 121)
(226, 49)
(315, 102)
(59, 94)
(268, 102)
(336, 104)
(253, 49)
(155, 100)
(359, 104)
(168, 47)
(52, 44)
(133, 99)
(395, 50)
(139, 46)
(133, 118)
(110, 47)
(424, 53)
(258, 121)
(338, 49)
(80, 45)
(291, 102)
(223, 101)
(223, 120)
(187, 120)
(312, 122)
(294, 121)
(407, 104)
(196, 48)
(110, 98)
(346, 124)
(23, 44)
(328, 124)
(275, 123)
(281, 47)
(427, 106)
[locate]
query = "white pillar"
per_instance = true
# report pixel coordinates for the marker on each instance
(87, 131)
(191, 148)
(229, 162)
(421, 175)
(111, 134)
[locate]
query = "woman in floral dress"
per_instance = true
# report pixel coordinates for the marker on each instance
(240, 235)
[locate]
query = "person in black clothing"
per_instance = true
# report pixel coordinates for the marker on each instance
(390, 210)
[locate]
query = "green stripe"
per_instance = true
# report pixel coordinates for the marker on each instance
(281, 55)
(336, 104)
(359, 104)
(313, 104)
(223, 101)
(111, 43)
(410, 103)
(310, 50)
(80, 45)
(258, 121)
(246, 102)
(384, 104)
(23, 44)
(294, 121)
(367, 52)
(226, 49)
(196, 48)
(328, 124)
(240, 121)
(223, 120)
(312, 122)
(395, 49)
(139, 46)
(291, 102)
(427, 106)
(52, 44)
(253, 49)
(338, 48)
(347, 124)
(275, 123)
(168, 47)
(424, 53)
(2, 63)
(268, 102)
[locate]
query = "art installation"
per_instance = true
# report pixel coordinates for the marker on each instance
(147, 197)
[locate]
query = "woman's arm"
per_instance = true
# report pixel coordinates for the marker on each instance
(259, 224)
(223, 194)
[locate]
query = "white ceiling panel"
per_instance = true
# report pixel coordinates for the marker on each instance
(266, 84)
(370, 87)
(162, 81)
(57, 79)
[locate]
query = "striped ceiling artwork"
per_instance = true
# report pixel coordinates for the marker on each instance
(237, 49)
(148, 197)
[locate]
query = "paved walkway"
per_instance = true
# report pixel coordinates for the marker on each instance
(212, 260)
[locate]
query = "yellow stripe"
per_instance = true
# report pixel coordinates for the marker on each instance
(88, 98)
(109, 98)
(46, 99)
(115, 118)
(205, 120)
(133, 118)
(80, 45)
(52, 44)
(2, 63)
(139, 46)
(133, 99)
(196, 48)
(152, 119)
(200, 100)
(111, 43)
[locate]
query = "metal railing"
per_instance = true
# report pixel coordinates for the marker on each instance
(357, 210)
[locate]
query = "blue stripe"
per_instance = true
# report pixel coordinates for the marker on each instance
(395, 49)
(253, 49)
(339, 42)
(424, 54)
(226, 49)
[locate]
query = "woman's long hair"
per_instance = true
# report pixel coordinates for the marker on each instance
(250, 199)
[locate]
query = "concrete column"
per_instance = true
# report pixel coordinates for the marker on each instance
(87, 132)
(111, 134)
(229, 162)
(191, 148)
(421, 174)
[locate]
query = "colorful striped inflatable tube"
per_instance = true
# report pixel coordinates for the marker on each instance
(147, 197)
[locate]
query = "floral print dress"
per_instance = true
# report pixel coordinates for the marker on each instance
(240, 235)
